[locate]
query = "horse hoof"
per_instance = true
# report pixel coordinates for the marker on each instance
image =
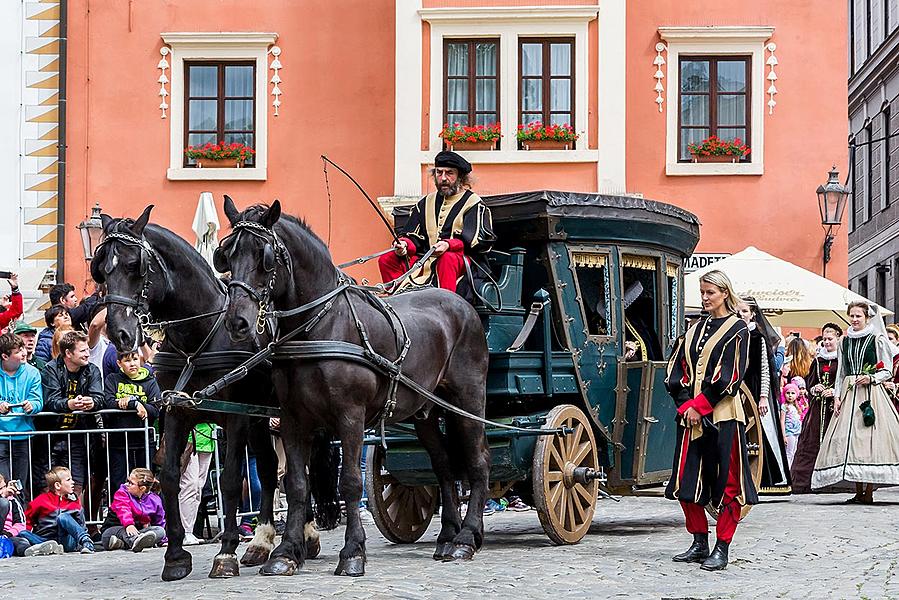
(224, 566)
(313, 548)
(444, 550)
(351, 567)
(255, 556)
(177, 570)
(279, 565)
(462, 552)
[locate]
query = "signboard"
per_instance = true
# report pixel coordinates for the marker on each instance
(694, 262)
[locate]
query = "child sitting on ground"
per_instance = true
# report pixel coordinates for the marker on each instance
(12, 518)
(57, 515)
(136, 518)
(132, 387)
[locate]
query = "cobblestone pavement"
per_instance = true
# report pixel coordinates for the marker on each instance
(804, 547)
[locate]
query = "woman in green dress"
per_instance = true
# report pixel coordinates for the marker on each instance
(861, 444)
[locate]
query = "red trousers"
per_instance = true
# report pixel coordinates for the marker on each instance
(449, 267)
(729, 515)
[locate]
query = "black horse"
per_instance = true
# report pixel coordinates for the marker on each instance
(277, 262)
(147, 269)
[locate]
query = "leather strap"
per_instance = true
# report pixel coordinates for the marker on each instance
(528, 327)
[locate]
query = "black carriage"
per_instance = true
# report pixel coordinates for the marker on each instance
(578, 276)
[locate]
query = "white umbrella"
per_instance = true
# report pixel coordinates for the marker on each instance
(789, 295)
(206, 226)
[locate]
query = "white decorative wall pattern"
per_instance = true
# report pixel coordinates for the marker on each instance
(659, 75)
(275, 66)
(771, 77)
(163, 66)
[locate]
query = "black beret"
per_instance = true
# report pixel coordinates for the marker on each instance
(448, 158)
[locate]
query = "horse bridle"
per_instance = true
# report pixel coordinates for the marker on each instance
(141, 304)
(281, 256)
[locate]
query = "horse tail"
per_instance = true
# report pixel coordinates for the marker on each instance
(324, 470)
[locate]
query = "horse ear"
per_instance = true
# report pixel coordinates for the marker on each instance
(106, 220)
(272, 214)
(231, 211)
(141, 222)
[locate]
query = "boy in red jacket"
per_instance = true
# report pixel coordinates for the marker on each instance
(57, 515)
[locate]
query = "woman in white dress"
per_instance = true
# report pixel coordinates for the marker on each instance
(861, 444)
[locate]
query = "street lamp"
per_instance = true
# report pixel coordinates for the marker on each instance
(831, 202)
(91, 229)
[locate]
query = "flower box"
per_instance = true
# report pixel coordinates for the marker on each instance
(536, 136)
(716, 158)
(219, 163)
(479, 145)
(479, 137)
(220, 155)
(547, 145)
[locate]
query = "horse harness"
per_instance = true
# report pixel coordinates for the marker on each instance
(284, 348)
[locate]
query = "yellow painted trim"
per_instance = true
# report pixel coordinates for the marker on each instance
(54, 99)
(50, 237)
(50, 185)
(51, 67)
(48, 48)
(53, 32)
(51, 202)
(51, 14)
(48, 150)
(52, 135)
(51, 116)
(51, 169)
(47, 219)
(50, 83)
(46, 254)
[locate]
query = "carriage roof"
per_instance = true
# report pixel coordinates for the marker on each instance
(579, 217)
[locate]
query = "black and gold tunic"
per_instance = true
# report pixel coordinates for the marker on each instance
(462, 220)
(705, 372)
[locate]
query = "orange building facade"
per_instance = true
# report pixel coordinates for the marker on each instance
(371, 84)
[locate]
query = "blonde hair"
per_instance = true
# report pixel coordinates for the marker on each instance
(722, 282)
(57, 336)
(54, 476)
(145, 478)
(894, 329)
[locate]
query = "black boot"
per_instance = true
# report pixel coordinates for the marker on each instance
(696, 553)
(717, 560)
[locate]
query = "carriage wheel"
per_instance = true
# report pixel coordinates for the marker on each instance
(402, 513)
(565, 490)
(755, 450)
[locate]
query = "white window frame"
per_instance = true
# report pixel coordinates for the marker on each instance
(509, 24)
(191, 46)
(718, 41)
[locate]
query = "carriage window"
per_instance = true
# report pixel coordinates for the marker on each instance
(640, 302)
(596, 295)
(673, 301)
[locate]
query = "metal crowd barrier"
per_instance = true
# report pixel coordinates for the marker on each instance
(97, 489)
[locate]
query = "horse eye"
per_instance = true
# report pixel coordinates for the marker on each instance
(132, 266)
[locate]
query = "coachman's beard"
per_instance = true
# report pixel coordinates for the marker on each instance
(449, 190)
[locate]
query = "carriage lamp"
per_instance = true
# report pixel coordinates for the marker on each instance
(91, 229)
(831, 202)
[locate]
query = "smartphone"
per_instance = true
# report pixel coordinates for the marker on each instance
(5, 274)
(16, 484)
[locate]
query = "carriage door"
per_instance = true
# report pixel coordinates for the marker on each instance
(648, 411)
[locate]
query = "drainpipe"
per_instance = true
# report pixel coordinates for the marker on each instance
(61, 157)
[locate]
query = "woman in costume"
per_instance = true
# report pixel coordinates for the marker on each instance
(711, 465)
(763, 383)
(893, 386)
(820, 380)
(861, 445)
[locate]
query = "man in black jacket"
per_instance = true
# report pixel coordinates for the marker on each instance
(63, 294)
(71, 383)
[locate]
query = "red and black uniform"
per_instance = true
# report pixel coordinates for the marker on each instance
(815, 423)
(462, 220)
(711, 464)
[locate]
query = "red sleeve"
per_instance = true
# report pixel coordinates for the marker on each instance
(410, 246)
(455, 245)
(700, 403)
(14, 311)
(34, 510)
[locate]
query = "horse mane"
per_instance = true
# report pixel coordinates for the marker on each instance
(256, 212)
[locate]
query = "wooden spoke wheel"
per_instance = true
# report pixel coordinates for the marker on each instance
(755, 449)
(564, 473)
(402, 513)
